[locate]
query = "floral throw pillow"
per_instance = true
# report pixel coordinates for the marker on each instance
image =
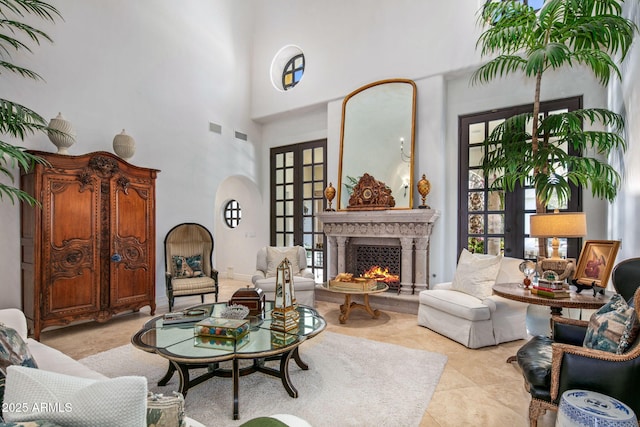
(187, 266)
(13, 351)
(613, 328)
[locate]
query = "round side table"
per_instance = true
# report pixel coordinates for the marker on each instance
(582, 408)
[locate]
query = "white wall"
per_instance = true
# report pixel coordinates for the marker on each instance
(163, 70)
(624, 98)
(235, 248)
(348, 44)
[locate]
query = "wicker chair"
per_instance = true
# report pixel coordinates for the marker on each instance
(551, 366)
(188, 249)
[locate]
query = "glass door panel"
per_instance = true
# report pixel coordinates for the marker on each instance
(298, 182)
(490, 220)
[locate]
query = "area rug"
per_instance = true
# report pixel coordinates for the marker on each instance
(351, 382)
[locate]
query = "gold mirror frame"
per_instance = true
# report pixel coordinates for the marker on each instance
(376, 118)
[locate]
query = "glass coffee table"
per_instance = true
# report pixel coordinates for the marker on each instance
(175, 342)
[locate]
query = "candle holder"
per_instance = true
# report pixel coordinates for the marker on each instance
(424, 186)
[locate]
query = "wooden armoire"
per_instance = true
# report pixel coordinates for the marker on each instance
(88, 250)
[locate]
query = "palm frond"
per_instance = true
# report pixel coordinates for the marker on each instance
(20, 70)
(16, 120)
(19, 121)
(39, 8)
(500, 66)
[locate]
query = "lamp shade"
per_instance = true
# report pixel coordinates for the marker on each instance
(559, 224)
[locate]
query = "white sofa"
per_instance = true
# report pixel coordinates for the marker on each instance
(268, 259)
(472, 321)
(50, 359)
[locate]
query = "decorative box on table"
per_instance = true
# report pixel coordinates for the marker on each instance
(249, 297)
(222, 328)
(220, 333)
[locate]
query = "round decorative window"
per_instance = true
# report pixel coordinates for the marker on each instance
(232, 213)
(287, 67)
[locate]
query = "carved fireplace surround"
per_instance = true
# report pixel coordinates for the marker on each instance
(410, 229)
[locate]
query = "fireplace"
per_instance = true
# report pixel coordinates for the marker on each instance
(364, 253)
(398, 238)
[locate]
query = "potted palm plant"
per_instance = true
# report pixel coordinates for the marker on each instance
(18, 121)
(563, 33)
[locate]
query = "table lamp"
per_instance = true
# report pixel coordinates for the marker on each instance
(556, 225)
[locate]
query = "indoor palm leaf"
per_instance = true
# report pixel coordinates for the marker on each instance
(17, 121)
(563, 33)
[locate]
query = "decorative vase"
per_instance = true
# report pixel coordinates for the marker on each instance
(330, 193)
(65, 136)
(424, 186)
(124, 145)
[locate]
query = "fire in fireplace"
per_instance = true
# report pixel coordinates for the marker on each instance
(381, 275)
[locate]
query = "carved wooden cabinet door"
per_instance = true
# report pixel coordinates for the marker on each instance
(132, 239)
(70, 249)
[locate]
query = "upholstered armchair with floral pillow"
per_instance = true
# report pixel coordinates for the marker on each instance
(188, 262)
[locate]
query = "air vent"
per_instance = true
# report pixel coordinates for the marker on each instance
(216, 128)
(242, 136)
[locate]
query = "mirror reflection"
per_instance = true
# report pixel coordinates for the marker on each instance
(378, 127)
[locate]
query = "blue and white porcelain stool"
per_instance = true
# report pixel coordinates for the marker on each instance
(581, 408)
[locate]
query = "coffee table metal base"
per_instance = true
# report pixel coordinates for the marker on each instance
(235, 373)
(345, 309)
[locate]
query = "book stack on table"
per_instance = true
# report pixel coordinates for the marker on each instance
(551, 289)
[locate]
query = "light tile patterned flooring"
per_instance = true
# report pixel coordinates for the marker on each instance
(477, 388)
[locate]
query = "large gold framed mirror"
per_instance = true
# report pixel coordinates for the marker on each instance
(377, 137)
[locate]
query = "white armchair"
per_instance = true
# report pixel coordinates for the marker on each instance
(474, 317)
(268, 259)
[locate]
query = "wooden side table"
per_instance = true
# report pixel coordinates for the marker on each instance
(585, 300)
(345, 309)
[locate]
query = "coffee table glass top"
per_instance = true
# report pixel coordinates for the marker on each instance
(177, 340)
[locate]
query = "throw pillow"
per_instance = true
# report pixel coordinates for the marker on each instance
(275, 257)
(475, 275)
(13, 351)
(74, 401)
(165, 411)
(613, 328)
(187, 266)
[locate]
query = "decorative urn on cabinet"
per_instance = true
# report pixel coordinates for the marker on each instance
(61, 133)
(124, 145)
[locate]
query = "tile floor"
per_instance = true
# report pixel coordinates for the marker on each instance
(477, 388)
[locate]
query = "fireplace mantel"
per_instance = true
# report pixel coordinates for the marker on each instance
(410, 228)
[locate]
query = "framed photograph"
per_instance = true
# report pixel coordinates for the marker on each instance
(596, 262)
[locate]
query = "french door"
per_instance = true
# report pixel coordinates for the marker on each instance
(298, 180)
(494, 221)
